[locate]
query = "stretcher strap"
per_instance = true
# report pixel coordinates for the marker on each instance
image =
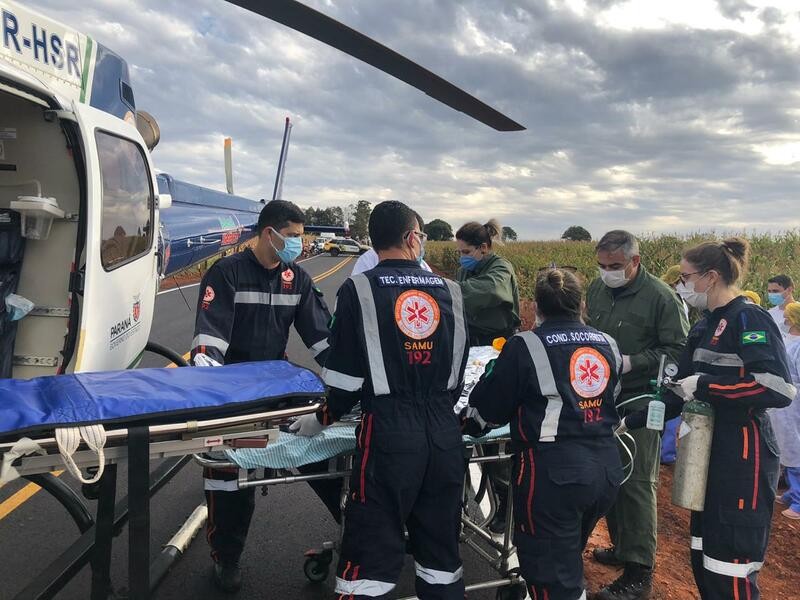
(23, 447)
(68, 440)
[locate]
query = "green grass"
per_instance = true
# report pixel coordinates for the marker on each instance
(770, 255)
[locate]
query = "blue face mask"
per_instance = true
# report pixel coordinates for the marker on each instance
(775, 298)
(292, 247)
(468, 263)
(421, 256)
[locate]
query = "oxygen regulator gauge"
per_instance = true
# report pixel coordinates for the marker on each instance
(671, 370)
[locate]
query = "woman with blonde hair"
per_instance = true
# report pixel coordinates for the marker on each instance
(734, 360)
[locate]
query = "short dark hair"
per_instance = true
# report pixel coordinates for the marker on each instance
(782, 280)
(278, 214)
(619, 239)
(388, 222)
(558, 293)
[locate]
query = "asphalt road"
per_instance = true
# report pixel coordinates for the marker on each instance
(287, 522)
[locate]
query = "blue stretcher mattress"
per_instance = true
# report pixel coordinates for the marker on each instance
(149, 396)
(292, 451)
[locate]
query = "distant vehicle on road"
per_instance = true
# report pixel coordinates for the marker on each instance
(338, 246)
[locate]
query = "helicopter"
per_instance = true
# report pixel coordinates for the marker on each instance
(88, 227)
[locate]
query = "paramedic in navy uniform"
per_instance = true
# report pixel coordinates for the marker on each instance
(248, 302)
(557, 386)
(399, 345)
(735, 360)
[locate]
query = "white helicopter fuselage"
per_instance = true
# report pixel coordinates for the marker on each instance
(94, 279)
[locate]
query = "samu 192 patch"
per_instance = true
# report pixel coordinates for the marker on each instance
(754, 337)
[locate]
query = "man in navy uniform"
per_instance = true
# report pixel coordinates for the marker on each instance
(247, 304)
(399, 345)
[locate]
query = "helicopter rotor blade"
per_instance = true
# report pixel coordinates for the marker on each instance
(314, 24)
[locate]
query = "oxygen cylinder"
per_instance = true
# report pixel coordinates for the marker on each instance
(694, 452)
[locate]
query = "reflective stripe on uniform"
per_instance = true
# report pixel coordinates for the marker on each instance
(363, 587)
(730, 569)
(369, 315)
(697, 543)
(459, 333)
(342, 381)
(203, 339)
(776, 384)
(319, 347)
(267, 298)
(547, 385)
(583, 595)
(618, 358)
(435, 577)
(720, 359)
(219, 485)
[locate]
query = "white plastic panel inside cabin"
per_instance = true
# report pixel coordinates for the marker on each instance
(35, 159)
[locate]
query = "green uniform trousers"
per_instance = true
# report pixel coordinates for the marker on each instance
(632, 518)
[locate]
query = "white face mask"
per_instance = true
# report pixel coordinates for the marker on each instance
(614, 279)
(699, 300)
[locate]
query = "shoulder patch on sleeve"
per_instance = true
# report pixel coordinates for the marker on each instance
(754, 337)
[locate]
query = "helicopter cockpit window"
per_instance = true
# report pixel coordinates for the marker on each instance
(127, 201)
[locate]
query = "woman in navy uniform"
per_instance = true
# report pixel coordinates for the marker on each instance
(557, 386)
(735, 360)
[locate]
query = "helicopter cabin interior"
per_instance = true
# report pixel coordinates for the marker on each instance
(36, 164)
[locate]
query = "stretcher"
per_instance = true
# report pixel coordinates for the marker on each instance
(95, 421)
(335, 446)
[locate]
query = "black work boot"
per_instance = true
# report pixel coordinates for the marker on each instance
(227, 577)
(607, 556)
(635, 583)
(498, 523)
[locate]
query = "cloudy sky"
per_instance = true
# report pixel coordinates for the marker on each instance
(644, 114)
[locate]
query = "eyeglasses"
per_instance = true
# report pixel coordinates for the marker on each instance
(423, 237)
(684, 276)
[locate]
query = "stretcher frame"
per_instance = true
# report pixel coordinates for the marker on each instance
(497, 553)
(136, 446)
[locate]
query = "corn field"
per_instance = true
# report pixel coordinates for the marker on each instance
(769, 255)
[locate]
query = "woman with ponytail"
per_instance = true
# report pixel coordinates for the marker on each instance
(734, 360)
(488, 283)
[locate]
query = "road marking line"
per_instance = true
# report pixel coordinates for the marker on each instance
(26, 493)
(17, 499)
(316, 279)
(191, 285)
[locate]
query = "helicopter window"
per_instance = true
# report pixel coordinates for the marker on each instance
(127, 201)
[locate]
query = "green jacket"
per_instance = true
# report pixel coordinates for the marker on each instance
(491, 298)
(645, 318)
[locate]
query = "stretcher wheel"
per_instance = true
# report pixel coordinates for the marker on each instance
(516, 591)
(318, 566)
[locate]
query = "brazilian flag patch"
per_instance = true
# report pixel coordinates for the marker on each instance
(754, 337)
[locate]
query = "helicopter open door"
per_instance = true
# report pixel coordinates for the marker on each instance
(121, 276)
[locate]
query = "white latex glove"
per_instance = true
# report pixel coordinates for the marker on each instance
(203, 360)
(689, 386)
(307, 426)
(626, 364)
(621, 428)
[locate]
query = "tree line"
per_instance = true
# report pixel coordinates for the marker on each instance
(357, 217)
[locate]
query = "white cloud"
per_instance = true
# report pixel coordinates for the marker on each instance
(654, 116)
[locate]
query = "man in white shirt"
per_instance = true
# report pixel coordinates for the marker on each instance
(369, 260)
(780, 290)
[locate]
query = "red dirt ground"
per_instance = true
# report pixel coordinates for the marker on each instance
(673, 576)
